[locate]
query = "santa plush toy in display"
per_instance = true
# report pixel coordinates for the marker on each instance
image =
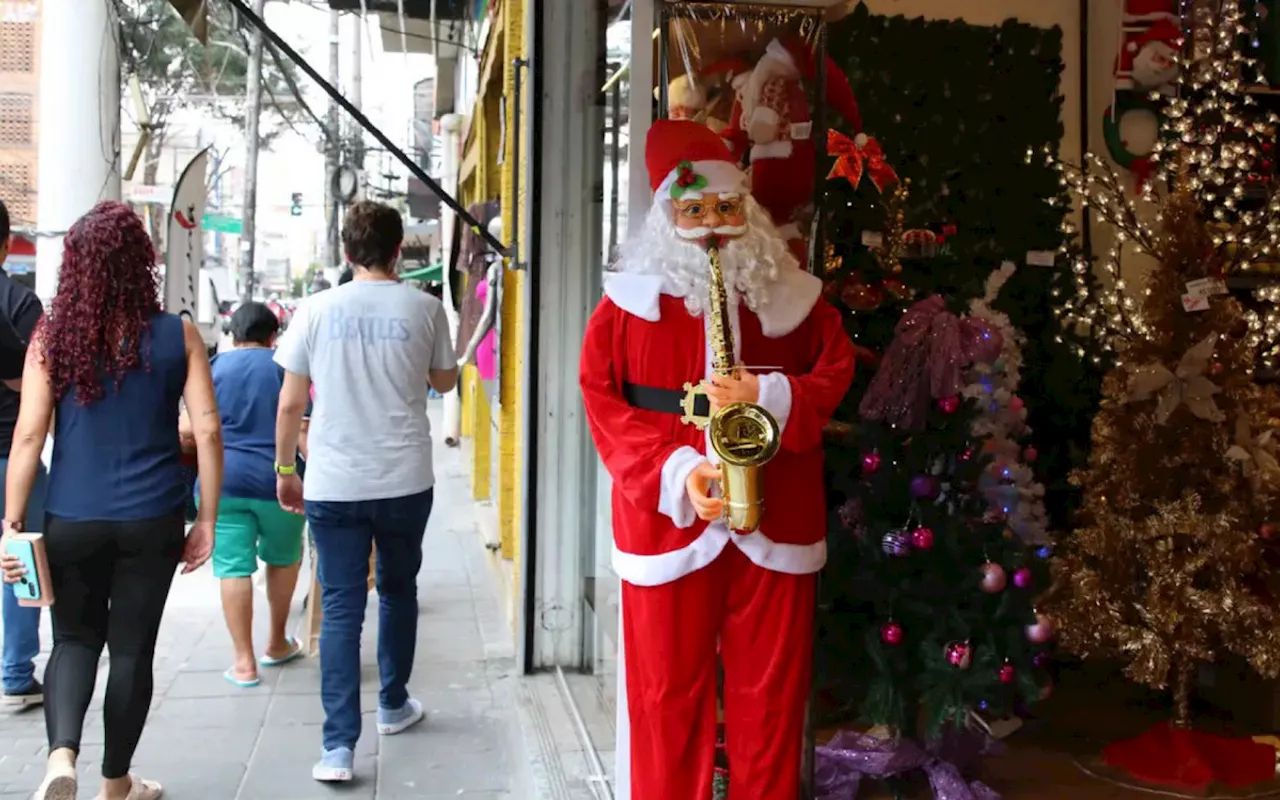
(689, 583)
(1148, 60)
(772, 126)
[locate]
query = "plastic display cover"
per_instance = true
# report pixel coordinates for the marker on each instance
(753, 73)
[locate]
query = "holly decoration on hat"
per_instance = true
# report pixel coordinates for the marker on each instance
(687, 180)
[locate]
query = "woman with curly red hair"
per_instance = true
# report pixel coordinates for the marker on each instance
(114, 367)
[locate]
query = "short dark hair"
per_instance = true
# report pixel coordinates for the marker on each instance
(4, 223)
(372, 234)
(254, 323)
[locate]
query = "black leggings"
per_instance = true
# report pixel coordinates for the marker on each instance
(110, 583)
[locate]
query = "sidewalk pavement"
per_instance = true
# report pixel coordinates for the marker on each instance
(209, 740)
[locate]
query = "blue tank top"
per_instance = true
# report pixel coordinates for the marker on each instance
(119, 459)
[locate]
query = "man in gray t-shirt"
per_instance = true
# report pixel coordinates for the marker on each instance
(370, 348)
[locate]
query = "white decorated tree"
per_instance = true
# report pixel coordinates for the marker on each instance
(1008, 483)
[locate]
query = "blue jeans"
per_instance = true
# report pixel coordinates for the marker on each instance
(22, 625)
(343, 533)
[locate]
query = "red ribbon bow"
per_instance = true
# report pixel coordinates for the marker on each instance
(856, 156)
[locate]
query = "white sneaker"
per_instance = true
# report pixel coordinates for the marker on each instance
(393, 721)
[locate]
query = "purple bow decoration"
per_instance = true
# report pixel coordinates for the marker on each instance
(849, 757)
(926, 360)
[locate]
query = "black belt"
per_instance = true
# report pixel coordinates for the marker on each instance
(667, 401)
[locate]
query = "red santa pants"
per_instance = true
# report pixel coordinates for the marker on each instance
(763, 622)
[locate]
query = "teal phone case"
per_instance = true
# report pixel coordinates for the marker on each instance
(28, 586)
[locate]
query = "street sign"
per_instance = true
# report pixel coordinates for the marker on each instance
(220, 224)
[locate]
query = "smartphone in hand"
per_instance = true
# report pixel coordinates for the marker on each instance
(33, 588)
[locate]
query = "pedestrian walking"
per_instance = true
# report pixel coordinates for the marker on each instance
(20, 310)
(370, 347)
(114, 367)
(251, 524)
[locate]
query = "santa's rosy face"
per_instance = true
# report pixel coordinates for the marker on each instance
(699, 218)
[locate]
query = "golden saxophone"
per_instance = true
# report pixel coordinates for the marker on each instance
(744, 435)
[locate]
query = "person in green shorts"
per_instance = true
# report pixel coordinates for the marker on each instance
(251, 524)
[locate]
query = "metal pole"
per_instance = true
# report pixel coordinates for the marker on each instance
(615, 136)
(332, 248)
(513, 234)
(391, 147)
(253, 111)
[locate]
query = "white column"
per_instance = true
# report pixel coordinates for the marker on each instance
(451, 128)
(79, 122)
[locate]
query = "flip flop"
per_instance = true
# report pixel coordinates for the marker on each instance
(295, 652)
(230, 677)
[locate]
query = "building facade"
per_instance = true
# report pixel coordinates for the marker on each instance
(19, 100)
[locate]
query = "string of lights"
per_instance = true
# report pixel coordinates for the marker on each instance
(1215, 144)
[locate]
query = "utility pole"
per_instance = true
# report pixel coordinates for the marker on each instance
(332, 248)
(357, 98)
(253, 111)
(79, 123)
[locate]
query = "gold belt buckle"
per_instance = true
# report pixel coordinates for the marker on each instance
(689, 403)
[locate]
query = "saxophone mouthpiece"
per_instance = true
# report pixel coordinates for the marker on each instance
(713, 243)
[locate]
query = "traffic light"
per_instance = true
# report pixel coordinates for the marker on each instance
(296, 208)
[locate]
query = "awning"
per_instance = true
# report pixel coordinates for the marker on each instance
(431, 274)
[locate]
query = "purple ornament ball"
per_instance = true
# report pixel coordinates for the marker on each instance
(1022, 578)
(896, 543)
(994, 578)
(988, 342)
(925, 487)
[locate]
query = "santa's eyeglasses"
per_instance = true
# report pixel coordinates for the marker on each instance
(699, 208)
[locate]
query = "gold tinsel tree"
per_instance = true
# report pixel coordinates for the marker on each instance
(1168, 568)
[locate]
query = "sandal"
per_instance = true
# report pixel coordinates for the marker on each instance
(57, 787)
(141, 790)
(295, 652)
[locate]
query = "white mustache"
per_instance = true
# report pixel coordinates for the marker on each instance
(702, 233)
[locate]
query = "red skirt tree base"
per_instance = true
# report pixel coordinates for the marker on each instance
(1191, 760)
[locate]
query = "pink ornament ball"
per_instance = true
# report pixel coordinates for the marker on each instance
(1022, 578)
(891, 634)
(1041, 631)
(1008, 673)
(994, 578)
(870, 463)
(949, 404)
(958, 654)
(922, 538)
(1016, 404)
(1030, 454)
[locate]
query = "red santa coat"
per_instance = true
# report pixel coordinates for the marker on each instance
(642, 333)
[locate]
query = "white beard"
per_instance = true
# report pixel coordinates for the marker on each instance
(751, 263)
(1152, 68)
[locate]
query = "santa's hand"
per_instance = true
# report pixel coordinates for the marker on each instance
(742, 388)
(698, 486)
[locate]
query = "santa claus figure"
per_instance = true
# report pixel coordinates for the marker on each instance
(1149, 60)
(772, 125)
(690, 585)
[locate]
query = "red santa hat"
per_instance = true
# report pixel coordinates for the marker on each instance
(838, 93)
(736, 68)
(1149, 10)
(685, 159)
